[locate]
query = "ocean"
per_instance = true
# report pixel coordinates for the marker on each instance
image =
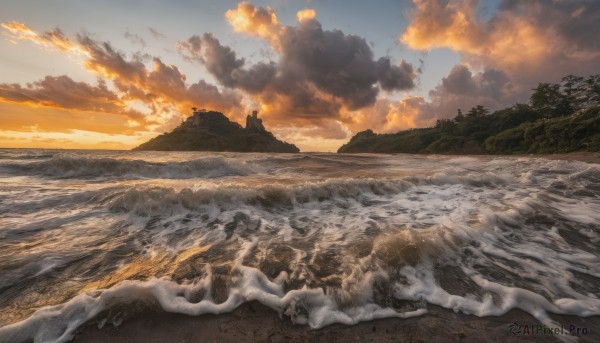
(321, 238)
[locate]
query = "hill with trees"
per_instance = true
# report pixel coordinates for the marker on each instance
(559, 118)
(213, 131)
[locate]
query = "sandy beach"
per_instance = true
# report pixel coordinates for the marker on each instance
(253, 322)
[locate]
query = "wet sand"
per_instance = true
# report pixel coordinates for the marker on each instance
(253, 322)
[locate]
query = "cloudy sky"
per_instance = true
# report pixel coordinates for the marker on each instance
(112, 74)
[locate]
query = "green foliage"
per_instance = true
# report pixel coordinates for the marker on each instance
(548, 99)
(478, 112)
(573, 93)
(579, 132)
(459, 116)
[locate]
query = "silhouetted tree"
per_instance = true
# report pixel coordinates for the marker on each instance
(572, 94)
(592, 85)
(581, 92)
(477, 112)
(444, 124)
(573, 91)
(548, 99)
(459, 116)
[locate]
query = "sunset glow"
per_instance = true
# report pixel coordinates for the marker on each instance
(299, 171)
(317, 75)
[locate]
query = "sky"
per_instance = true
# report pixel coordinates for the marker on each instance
(113, 74)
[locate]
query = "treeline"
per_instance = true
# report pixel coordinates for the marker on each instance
(563, 117)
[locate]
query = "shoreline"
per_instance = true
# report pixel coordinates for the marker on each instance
(582, 156)
(254, 322)
(588, 157)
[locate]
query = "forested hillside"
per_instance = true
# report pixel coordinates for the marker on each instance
(563, 117)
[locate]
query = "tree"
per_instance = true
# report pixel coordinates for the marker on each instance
(459, 116)
(477, 112)
(444, 124)
(573, 89)
(592, 90)
(548, 99)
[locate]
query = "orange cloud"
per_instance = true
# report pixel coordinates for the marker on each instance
(404, 114)
(509, 42)
(524, 39)
(52, 39)
(20, 31)
(260, 22)
(306, 14)
(390, 115)
(519, 45)
(162, 89)
(320, 73)
(444, 24)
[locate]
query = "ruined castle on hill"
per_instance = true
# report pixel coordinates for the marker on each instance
(207, 130)
(253, 123)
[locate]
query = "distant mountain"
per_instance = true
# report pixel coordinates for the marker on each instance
(213, 131)
(560, 118)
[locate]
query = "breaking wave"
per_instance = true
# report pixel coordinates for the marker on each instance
(153, 200)
(381, 237)
(89, 167)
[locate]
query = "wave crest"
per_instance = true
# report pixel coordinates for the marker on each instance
(144, 201)
(88, 167)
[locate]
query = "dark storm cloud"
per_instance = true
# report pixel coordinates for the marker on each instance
(463, 90)
(221, 62)
(318, 72)
(338, 64)
(395, 77)
(459, 81)
(491, 83)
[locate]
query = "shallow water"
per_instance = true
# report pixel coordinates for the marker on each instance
(323, 238)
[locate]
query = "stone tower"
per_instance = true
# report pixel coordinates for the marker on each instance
(254, 123)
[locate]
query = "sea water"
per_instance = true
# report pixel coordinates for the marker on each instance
(321, 238)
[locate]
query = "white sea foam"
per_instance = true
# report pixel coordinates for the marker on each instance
(304, 306)
(377, 237)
